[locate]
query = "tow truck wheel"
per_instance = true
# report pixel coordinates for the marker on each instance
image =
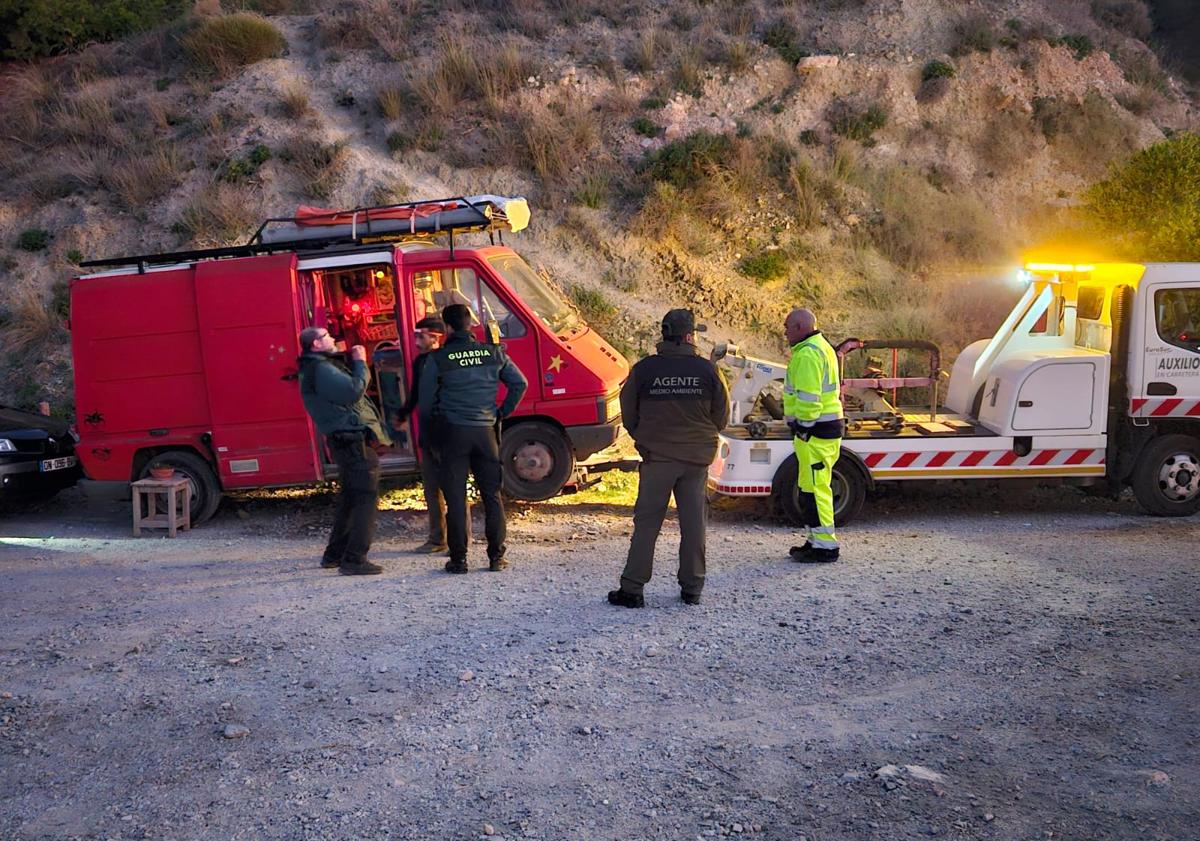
(537, 459)
(848, 484)
(1166, 480)
(206, 493)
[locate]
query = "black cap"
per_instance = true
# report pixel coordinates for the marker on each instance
(678, 323)
(432, 324)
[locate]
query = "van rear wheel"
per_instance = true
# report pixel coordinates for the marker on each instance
(1166, 479)
(848, 484)
(206, 492)
(537, 459)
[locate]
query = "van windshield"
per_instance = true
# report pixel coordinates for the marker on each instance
(547, 303)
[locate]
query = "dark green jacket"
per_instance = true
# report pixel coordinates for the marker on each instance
(674, 404)
(336, 397)
(460, 382)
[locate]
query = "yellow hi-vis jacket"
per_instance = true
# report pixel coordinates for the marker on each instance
(810, 392)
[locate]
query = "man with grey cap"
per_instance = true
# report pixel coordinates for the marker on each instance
(673, 404)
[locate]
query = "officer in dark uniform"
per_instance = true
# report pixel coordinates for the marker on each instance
(429, 334)
(459, 386)
(335, 398)
(673, 404)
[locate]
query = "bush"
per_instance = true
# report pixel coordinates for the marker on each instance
(647, 127)
(33, 239)
(973, 33)
(856, 121)
(137, 181)
(1151, 205)
(321, 165)
(33, 322)
(221, 45)
(247, 166)
(764, 266)
(1130, 17)
(219, 215)
(937, 69)
(294, 101)
(683, 163)
(36, 28)
(1081, 45)
(781, 36)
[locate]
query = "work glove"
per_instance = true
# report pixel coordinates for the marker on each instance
(799, 431)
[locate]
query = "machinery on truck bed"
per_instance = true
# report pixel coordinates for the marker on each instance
(189, 358)
(1093, 378)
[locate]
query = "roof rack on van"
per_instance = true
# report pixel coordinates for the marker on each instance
(316, 228)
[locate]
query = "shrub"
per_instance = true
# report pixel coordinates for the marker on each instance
(1151, 205)
(1130, 17)
(764, 266)
(33, 239)
(688, 75)
(33, 322)
(937, 69)
(557, 138)
(234, 170)
(321, 166)
(137, 181)
(1081, 45)
(737, 55)
(647, 127)
(223, 44)
(645, 55)
(391, 102)
(781, 36)
(593, 190)
(972, 33)
(220, 215)
(294, 101)
(854, 120)
(653, 103)
(683, 163)
(810, 137)
(35, 28)
(593, 305)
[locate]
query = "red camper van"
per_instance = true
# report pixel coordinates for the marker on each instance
(189, 358)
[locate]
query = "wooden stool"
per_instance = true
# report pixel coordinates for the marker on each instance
(176, 490)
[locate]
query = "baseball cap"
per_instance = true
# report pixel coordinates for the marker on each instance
(678, 323)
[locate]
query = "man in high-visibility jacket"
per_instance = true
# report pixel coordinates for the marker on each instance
(812, 408)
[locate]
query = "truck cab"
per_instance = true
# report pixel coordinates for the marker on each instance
(189, 358)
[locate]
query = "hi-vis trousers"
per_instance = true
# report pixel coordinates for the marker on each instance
(817, 456)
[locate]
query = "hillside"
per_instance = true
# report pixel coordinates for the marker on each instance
(880, 160)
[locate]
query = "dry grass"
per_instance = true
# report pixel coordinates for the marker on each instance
(221, 45)
(688, 73)
(558, 138)
(88, 116)
(648, 51)
(221, 214)
(502, 71)
(391, 101)
(321, 166)
(454, 74)
(1006, 141)
(28, 92)
(152, 174)
(33, 322)
(294, 100)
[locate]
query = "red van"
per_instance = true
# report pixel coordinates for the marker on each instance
(189, 358)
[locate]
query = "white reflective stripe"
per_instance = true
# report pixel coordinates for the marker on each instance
(823, 542)
(806, 422)
(828, 387)
(828, 416)
(787, 389)
(807, 395)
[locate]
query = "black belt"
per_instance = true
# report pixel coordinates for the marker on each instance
(347, 436)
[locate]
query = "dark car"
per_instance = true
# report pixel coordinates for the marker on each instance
(37, 456)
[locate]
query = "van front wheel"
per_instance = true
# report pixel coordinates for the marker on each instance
(537, 459)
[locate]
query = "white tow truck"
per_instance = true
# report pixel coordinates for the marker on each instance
(1092, 379)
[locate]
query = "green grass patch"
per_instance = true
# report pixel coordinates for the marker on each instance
(937, 69)
(33, 239)
(647, 127)
(222, 45)
(764, 266)
(683, 163)
(782, 37)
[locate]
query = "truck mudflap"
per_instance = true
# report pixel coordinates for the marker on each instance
(590, 439)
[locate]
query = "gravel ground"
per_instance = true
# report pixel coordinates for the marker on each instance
(980, 665)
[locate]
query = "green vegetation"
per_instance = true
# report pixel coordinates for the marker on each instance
(36, 28)
(653, 103)
(764, 266)
(33, 239)
(647, 127)
(684, 162)
(856, 121)
(973, 33)
(245, 167)
(321, 166)
(222, 45)
(937, 69)
(781, 36)
(1151, 205)
(1081, 45)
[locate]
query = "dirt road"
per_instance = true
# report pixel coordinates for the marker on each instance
(977, 667)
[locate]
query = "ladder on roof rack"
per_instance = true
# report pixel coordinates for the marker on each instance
(317, 228)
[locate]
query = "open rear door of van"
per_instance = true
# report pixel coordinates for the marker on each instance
(248, 333)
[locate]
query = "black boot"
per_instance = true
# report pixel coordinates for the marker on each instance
(623, 599)
(690, 598)
(456, 567)
(361, 568)
(816, 556)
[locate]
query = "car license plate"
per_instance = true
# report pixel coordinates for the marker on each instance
(58, 463)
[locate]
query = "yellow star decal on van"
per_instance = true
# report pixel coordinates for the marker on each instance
(556, 363)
